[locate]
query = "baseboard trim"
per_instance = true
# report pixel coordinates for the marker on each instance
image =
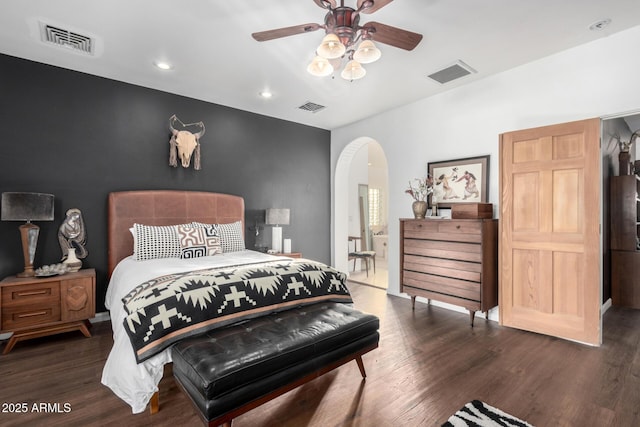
(100, 317)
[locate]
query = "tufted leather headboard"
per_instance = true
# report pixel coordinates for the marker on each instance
(164, 207)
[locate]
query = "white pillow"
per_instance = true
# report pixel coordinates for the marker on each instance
(230, 235)
(151, 242)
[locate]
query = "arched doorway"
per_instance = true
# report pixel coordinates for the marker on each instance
(361, 167)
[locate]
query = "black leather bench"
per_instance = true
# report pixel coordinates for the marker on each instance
(227, 372)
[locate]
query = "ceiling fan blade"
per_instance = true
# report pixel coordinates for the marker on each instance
(324, 3)
(377, 4)
(393, 36)
(285, 32)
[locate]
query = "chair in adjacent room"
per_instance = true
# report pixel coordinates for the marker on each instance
(366, 256)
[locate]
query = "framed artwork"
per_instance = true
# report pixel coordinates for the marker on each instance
(460, 181)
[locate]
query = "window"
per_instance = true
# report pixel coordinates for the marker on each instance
(374, 206)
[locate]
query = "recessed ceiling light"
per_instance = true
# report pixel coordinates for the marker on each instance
(600, 25)
(265, 94)
(163, 65)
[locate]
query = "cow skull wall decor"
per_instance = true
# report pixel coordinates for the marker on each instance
(184, 144)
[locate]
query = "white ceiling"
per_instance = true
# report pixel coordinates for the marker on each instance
(215, 59)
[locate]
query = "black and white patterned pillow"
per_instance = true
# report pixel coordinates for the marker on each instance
(230, 235)
(198, 241)
(152, 241)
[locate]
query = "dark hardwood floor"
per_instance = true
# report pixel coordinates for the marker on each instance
(429, 364)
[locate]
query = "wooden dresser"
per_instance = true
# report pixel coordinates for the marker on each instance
(33, 307)
(624, 233)
(450, 260)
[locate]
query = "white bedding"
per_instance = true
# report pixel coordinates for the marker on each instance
(135, 383)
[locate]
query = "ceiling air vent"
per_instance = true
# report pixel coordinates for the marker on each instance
(68, 39)
(311, 106)
(452, 72)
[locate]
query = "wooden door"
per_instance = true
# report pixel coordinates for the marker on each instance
(550, 230)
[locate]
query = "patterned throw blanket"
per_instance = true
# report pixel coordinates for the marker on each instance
(168, 308)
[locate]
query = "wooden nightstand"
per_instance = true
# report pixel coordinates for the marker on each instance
(290, 255)
(33, 307)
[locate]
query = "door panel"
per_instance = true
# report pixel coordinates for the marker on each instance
(549, 227)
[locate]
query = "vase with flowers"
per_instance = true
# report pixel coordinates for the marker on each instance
(420, 189)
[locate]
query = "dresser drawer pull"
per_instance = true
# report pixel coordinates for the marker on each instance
(457, 226)
(30, 293)
(37, 313)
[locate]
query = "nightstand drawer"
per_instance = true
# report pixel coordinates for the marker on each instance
(16, 318)
(34, 293)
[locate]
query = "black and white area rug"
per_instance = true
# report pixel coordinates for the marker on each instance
(479, 414)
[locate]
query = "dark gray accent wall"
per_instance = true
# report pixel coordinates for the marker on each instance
(80, 137)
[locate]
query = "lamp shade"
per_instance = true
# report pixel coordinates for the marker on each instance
(367, 52)
(320, 67)
(26, 207)
(277, 217)
(353, 71)
(331, 47)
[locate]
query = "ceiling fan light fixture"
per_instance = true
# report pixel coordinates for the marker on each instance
(331, 47)
(320, 67)
(353, 71)
(367, 52)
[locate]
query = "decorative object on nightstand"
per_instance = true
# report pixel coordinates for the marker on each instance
(72, 236)
(38, 307)
(277, 217)
(27, 207)
(72, 262)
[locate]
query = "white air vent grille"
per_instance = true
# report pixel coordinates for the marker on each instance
(311, 106)
(452, 72)
(65, 38)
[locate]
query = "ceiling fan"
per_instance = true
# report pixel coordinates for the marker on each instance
(343, 32)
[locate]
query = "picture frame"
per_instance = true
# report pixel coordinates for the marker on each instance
(460, 181)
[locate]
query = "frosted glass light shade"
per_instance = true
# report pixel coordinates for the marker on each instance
(367, 52)
(320, 67)
(353, 71)
(331, 47)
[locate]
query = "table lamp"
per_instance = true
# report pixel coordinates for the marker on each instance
(27, 207)
(277, 217)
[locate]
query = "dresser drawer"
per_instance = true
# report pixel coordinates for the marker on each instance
(446, 230)
(471, 271)
(442, 285)
(443, 249)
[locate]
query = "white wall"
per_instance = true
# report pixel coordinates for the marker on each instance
(593, 80)
(379, 178)
(358, 174)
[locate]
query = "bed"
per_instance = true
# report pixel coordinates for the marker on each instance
(136, 383)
